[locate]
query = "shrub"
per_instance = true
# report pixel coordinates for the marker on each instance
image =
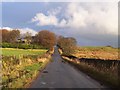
(67, 45)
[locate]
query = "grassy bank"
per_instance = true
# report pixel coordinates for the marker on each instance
(20, 67)
(108, 77)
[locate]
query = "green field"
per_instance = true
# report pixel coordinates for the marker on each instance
(17, 52)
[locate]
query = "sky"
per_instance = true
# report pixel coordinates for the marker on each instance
(91, 23)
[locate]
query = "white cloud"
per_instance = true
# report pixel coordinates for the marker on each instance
(102, 17)
(76, 15)
(92, 21)
(55, 11)
(49, 19)
(43, 19)
(22, 30)
(8, 28)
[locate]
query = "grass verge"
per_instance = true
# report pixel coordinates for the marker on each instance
(18, 72)
(104, 77)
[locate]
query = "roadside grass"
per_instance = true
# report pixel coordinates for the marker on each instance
(20, 67)
(108, 78)
(33, 67)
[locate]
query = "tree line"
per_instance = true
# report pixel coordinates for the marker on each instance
(44, 38)
(9, 36)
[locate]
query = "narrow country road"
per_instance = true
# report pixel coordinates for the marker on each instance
(62, 75)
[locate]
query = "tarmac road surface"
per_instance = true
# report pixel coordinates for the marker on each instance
(60, 74)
